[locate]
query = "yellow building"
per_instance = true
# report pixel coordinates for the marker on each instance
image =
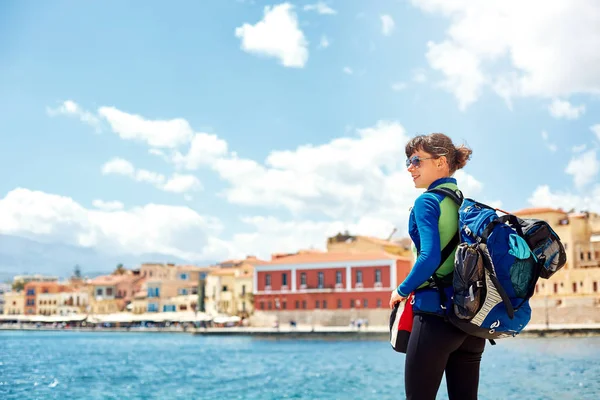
(580, 234)
(14, 303)
(139, 304)
(346, 243)
(48, 303)
(170, 287)
(229, 288)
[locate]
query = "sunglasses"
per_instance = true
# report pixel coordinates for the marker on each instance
(415, 161)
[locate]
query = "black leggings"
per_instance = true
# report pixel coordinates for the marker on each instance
(436, 346)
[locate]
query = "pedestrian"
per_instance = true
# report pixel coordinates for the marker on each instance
(435, 346)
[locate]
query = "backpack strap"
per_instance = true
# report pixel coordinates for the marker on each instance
(455, 195)
(435, 281)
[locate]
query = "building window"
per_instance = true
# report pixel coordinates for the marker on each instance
(358, 276)
(243, 290)
(365, 303)
(262, 305)
(304, 304)
(169, 308)
(109, 291)
(99, 292)
(317, 304)
(297, 304)
(284, 305)
(284, 279)
(378, 303)
(595, 285)
(182, 291)
(339, 303)
(574, 287)
(152, 307)
(338, 277)
(321, 280)
(351, 303)
(324, 304)
(303, 278)
(224, 288)
(30, 292)
(184, 277)
(243, 306)
(377, 276)
(268, 279)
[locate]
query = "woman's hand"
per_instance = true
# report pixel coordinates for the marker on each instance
(395, 298)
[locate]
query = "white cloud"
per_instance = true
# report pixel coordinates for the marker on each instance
(579, 149)
(156, 133)
(462, 70)
(346, 179)
(550, 49)
(584, 168)
(108, 205)
(596, 130)
(324, 43)
(182, 183)
(178, 183)
(204, 149)
(398, 86)
(348, 70)
(387, 25)
(564, 109)
(153, 228)
(118, 166)
(544, 197)
(551, 146)
(419, 76)
(320, 8)
(70, 108)
(276, 35)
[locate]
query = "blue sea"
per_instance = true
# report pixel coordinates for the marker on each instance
(110, 365)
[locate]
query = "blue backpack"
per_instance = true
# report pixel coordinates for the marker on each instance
(497, 264)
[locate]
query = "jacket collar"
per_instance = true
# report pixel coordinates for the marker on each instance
(441, 181)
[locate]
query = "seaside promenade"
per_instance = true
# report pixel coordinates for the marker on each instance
(304, 331)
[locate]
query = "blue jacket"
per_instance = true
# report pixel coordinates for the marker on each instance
(424, 229)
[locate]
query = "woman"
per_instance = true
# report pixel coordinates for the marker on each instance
(435, 346)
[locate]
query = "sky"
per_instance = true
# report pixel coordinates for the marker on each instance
(218, 129)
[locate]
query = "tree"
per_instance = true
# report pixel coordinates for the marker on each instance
(120, 270)
(18, 286)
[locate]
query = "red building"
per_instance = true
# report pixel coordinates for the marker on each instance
(328, 281)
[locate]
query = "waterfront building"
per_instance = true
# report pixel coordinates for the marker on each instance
(169, 288)
(34, 289)
(4, 288)
(229, 288)
(73, 301)
(48, 303)
(112, 293)
(14, 303)
(327, 288)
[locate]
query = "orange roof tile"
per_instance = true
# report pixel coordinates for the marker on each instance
(223, 272)
(332, 257)
(538, 210)
(111, 279)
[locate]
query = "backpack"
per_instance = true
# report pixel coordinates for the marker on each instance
(497, 264)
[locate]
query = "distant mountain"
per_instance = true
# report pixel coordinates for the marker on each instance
(25, 256)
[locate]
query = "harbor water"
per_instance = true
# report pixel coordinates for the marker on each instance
(110, 365)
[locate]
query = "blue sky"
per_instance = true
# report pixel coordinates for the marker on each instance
(298, 113)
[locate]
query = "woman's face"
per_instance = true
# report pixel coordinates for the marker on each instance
(425, 169)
